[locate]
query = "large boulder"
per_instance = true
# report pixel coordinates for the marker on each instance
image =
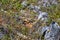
(52, 32)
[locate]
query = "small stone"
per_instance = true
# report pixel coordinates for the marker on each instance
(1, 35)
(24, 3)
(42, 15)
(5, 11)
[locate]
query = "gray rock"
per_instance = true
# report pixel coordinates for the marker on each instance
(51, 32)
(1, 35)
(42, 16)
(46, 3)
(34, 8)
(24, 3)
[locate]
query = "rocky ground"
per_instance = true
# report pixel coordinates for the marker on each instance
(24, 19)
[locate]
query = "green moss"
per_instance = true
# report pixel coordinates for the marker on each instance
(6, 37)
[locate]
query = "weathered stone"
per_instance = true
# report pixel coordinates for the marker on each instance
(51, 32)
(42, 16)
(46, 3)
